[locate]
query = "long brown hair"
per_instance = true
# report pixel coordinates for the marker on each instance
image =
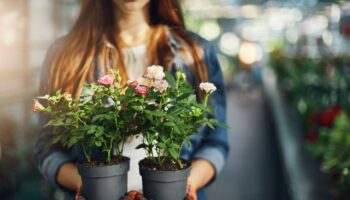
(94, 33)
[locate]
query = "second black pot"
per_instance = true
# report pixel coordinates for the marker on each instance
(164, 185)
(104, 182)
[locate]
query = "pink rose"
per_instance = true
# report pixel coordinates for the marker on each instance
(160, 85)
(37, 106)
(106, 80)
(142, 90)
(133, 84)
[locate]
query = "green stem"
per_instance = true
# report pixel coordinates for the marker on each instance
(109, 156)
(87, 156)
(205, 102)
(109, 150)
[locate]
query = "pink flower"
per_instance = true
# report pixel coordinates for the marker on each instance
(155, 72)
(133, 84)
(142, 90)
(106, 80)
(37, 106)
(160, 85)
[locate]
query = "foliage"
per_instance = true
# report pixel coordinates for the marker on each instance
(167, 119)
(314, 84)
(164, 111)
(333, 147)
(320, 91)
(94, 120)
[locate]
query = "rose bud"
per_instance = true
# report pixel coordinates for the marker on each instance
(37, 106)
(106, 80)
(180, 76)
(143, 90)
(207, 87)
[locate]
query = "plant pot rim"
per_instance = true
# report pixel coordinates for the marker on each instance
(104, 170)
(164, 176)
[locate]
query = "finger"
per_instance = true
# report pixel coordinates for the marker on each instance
(190, 197)
(132, 194)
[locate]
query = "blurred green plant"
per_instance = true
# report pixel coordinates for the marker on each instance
(319, 89)
(313, 85)
(332, 148)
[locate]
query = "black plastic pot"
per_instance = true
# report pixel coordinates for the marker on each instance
(105, 182)
(164, 185)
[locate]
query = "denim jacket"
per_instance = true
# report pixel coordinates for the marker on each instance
(211, 145)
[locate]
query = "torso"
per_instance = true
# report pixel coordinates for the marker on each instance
(135, 63)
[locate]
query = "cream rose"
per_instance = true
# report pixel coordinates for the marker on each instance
(155, 72)
(207, 87)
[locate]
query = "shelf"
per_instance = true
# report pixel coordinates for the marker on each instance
(302, 171)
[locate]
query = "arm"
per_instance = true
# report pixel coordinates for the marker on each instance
(211, 150)
(69, 177)
(55, 164)
(201, 174)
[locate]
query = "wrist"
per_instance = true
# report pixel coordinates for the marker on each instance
(192, 183)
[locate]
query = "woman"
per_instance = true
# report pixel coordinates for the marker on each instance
(130, 35)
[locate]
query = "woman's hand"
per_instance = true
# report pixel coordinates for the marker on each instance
(191, 190)
(134, 195)
(78, 195)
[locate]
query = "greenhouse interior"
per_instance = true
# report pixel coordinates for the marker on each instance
(286, 67)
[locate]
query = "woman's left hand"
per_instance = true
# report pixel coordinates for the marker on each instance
(78, 195)
(191, 191)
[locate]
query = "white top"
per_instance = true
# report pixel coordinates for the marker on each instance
(135, 63)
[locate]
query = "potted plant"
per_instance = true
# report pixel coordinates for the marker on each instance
(167, 114)
(96, 121)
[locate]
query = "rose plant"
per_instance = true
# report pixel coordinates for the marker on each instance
(167, 113)
(98, 122)
(163, 109)
(94, 120)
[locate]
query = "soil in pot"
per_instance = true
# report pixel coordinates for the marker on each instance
(104, 181)
(167, 181)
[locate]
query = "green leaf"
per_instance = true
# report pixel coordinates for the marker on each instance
(170, 124)
(72, 141)
(91, 131)
(156, 113)
(98, 143)
(222, 125)
(191, 99)
(173, 153)
(170, 78)
(210, 125)
(137, 108)
(161, 145)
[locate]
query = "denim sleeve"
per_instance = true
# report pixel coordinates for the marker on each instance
(213, 145)
(48, 161)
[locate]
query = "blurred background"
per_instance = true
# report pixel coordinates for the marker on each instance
(287, 68)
